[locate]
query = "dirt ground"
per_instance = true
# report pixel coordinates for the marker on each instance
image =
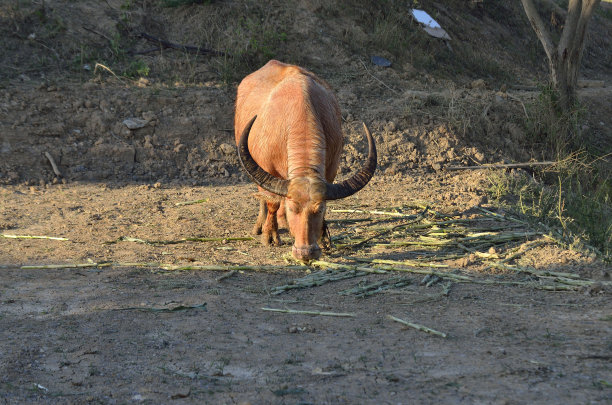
(122, 308)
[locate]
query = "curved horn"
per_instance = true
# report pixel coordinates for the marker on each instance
(358, 181)
(263, 179)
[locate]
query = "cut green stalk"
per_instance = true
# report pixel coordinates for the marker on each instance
(170, 267)
(293, 311)
(180, 204)
(5, 235)
(66, 266)
(417, 326)
(398, 262)
(377, 287)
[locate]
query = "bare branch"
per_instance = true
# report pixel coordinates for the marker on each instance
(567, 41)
(539, 28)
(588, 6)
(181, 47)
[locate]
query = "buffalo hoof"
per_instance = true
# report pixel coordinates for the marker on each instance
(270, 238)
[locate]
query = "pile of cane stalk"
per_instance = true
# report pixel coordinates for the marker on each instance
(475, 246)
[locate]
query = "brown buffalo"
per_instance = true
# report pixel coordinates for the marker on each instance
(289, 137)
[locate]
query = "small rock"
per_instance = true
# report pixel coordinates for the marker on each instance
(134, 123)
(226, 149)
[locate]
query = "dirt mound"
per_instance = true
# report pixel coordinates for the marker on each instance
(422, 119)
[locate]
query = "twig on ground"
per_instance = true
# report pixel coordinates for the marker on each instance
(376, 78)
(86, 28)
(293, 311)
(53, 165)
(417, 326)
(169, 309)
(515, 98)
(186, 48)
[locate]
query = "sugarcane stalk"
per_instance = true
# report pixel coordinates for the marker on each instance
(180, 204)
(9, 236)
(527, 248)
(321, 313)
(375, 212)
(398, 262)
(417, 326)
(65, 266)
(369, 289)
(339, 266)
(170, 267)
(539, 273)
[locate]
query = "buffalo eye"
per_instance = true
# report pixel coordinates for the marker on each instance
(294, 208)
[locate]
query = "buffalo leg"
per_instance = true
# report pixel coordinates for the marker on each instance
(261, 217)
(325, 241)
(270, 227)
(281, 216)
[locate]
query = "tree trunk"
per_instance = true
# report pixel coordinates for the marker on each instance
(564, 58)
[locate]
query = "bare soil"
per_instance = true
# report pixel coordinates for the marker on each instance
(111, 325)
